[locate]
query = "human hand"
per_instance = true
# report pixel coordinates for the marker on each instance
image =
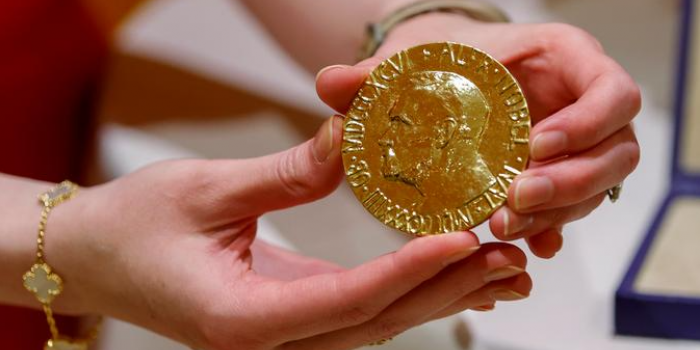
(172, 248)
(581, 102)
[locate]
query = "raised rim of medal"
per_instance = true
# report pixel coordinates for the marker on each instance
(356, 169)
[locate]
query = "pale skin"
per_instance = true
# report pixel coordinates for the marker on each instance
(172, 247)
(582, 101)
(582, 104)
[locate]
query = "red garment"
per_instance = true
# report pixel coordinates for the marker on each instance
(51, 60)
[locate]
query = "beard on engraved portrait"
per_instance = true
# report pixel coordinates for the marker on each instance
(431, 143)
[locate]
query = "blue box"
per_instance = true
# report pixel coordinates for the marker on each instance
(660, 295)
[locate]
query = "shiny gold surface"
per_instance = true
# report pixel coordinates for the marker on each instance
(434, 138)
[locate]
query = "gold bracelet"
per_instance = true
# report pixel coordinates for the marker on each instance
(46, 284)
(377, 32)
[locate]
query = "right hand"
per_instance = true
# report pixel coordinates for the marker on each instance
(581, 101)
(172, 248)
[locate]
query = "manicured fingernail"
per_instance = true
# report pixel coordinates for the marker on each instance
(330, 68)
(460, 255)
(323, 141)
(503, 273)
(507, 295)
(484, 308)
(533, 191)
(548, 144)
(513, 223)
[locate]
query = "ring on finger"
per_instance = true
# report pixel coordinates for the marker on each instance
(614, 192)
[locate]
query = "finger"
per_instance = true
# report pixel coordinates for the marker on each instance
(546, 244)
(574, 179)
(484, 299)
(493, 262)
(508, 225)
(328, 302)
(607, 99)
(281, 264)
(337, 85)
(248, 187)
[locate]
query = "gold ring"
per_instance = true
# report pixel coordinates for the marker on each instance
(614, 192)
(380, 342)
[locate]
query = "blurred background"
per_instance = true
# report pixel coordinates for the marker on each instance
(203, 78)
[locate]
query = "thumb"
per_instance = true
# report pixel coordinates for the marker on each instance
(337, 85)
(298, 175)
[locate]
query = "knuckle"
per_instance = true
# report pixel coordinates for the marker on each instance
(583, 183)
(558, 28)
(288, 173)
(193, 184)
(355, 315)
(471, 280)
(408, 259)
(577, 212)
(189, 175)
(630, 94)
(356, 309)
(559, 217)
(589, 130)
(632, 157)
(518, 256)
(588, 37)
(560, 33)
(634, 96)
(179, 182)
(386, 329)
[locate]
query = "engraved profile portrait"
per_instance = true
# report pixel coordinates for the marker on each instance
(431, 144)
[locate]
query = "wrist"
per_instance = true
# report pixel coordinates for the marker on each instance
(426, 28)
(69, 245)
(21, 213)
(473, 9)
(46, 282)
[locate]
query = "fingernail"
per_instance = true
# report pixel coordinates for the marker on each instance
(507, 295)
(513, 223)
(330, 68)
(323, 141)
(503, 273)
(484, 308)
(548, 144)
(460, 255)
(532, 191)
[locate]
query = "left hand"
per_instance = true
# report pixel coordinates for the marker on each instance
(581, 102)
(172, 247)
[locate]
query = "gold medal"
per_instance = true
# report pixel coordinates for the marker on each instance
(434, 138)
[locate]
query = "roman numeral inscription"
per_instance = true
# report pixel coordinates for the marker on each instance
(458, 194)
(394, 67)
(373, 88)
(353, 136)
(479, 208)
